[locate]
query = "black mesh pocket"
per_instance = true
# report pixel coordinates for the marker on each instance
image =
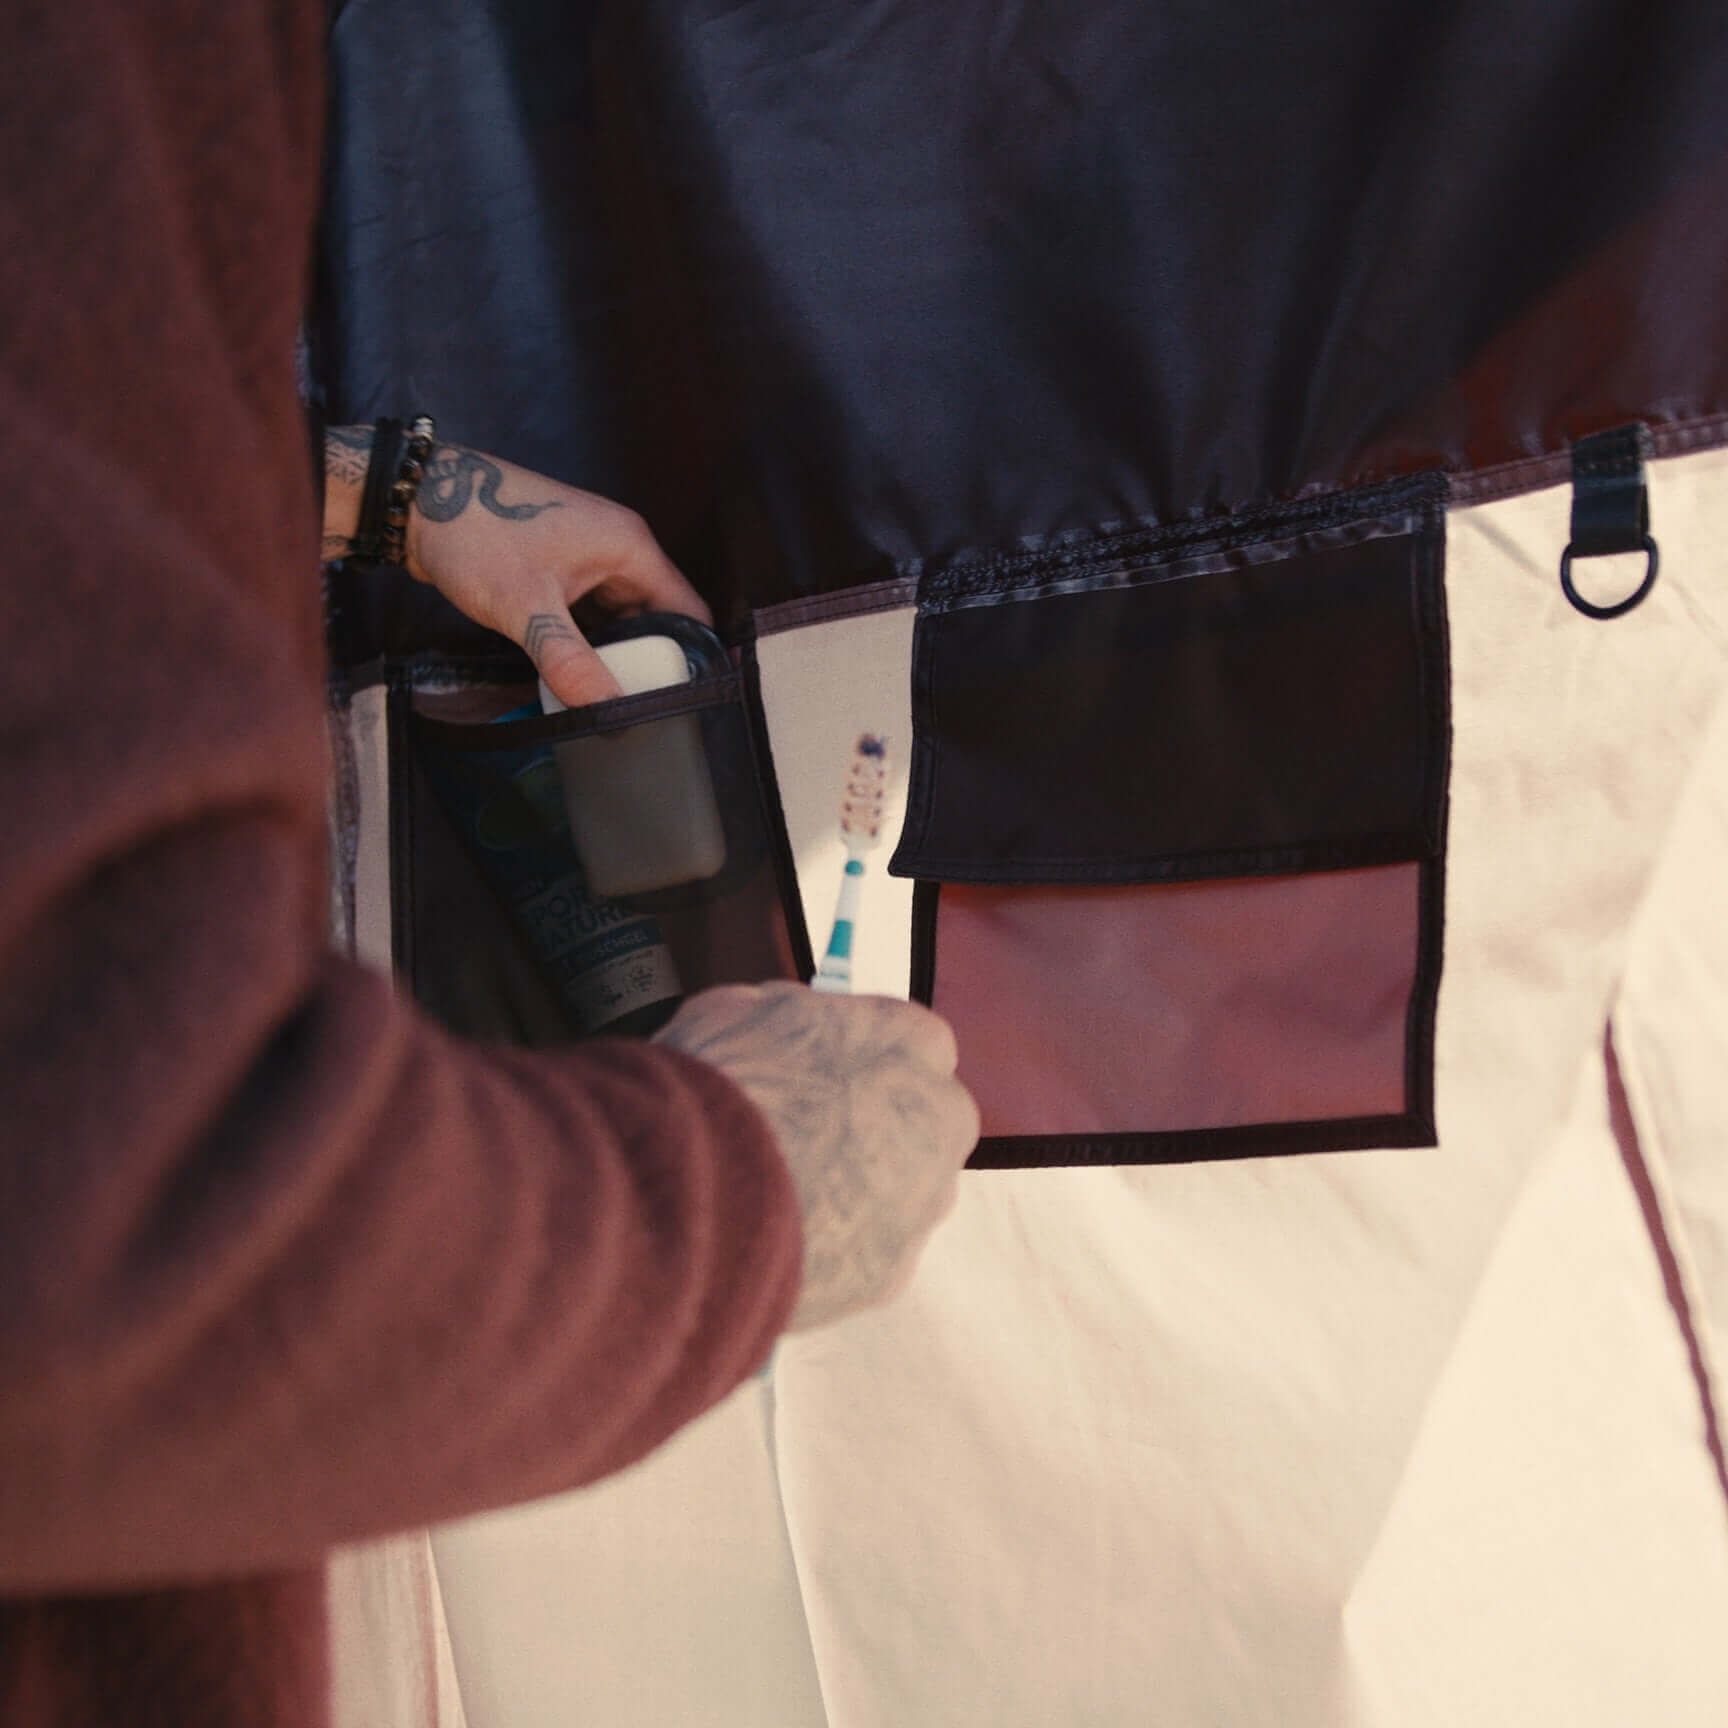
(578, 874)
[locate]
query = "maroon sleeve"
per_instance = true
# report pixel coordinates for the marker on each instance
(281, 1264)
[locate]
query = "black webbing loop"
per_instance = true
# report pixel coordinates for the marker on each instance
(1610, 511)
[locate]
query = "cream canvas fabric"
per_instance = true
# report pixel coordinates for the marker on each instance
(1353, 1441)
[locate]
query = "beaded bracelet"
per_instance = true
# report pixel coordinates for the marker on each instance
(382, 531)
(422, 436)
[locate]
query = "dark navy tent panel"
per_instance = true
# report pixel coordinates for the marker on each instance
(834, 291)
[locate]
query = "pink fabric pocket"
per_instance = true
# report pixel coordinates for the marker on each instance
(1177, 820)
(1169, 1008)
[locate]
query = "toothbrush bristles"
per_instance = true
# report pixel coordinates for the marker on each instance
(866, 793)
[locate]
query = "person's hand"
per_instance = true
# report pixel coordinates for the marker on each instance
(515, 550)
(861, 1094)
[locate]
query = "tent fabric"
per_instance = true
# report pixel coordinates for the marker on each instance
(853, 304)
(686, 1582)
(1400, 1436)
(1389, 1437)
(1670, 1029)
(834, 294)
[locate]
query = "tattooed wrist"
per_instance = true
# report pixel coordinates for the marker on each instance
(347, 450)
(347, 453)
(456, 478)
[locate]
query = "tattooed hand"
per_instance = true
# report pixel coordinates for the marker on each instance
(872, 1123)
(515, 551)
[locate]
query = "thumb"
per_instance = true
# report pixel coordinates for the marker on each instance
(572, 671)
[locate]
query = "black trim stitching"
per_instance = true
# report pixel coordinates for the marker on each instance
(925, 896)
(1424, 1001)
(970, 581)
(892, 595)
(773, 812)
(1434, 677)
(1538, 473)
(1115, 574)
(1203, 1145)
(1435, 666)
(720, 691)
(1463, 487)
(925, 755)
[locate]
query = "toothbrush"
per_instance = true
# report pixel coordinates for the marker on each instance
(861, 831)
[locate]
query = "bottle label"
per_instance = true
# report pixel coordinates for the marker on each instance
(605, 962)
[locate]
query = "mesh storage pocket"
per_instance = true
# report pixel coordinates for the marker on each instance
(578, 874)
(1176, 818)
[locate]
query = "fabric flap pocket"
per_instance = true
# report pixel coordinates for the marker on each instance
(1177, 819)
(580, 873)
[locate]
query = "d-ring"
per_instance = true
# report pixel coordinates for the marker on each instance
(1620, 606)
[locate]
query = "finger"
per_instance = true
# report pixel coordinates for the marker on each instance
(641, 577)
(571, 669)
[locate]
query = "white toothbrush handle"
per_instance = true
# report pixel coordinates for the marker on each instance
(834, 974)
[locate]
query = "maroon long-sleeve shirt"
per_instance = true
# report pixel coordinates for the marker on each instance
(281, 1265)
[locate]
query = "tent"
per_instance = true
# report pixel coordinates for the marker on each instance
(1217, 448)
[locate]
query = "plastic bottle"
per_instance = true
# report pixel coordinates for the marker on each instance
(609, 965)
